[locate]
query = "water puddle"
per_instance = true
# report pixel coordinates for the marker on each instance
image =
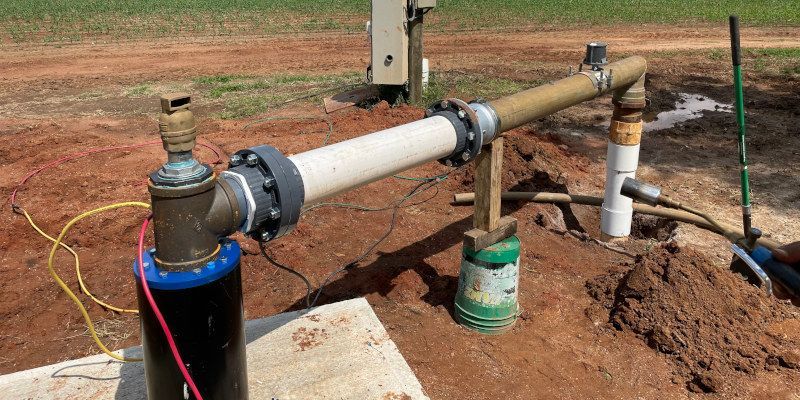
(688, 107)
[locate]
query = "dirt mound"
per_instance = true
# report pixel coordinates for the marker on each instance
(705, 318)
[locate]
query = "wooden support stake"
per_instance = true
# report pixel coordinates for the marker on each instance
(415, 59)
(489, 227)
(488, 171)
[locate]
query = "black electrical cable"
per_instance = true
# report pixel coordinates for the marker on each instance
(420, 188)
(272, 261)
(424, 185)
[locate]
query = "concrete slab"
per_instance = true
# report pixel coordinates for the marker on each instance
(336, 351)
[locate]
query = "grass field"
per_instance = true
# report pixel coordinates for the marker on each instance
(81, 20)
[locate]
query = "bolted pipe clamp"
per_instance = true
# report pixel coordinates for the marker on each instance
(467, 126)
(273, 188)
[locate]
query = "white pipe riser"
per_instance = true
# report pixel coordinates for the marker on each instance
(337, 168)
(616, 213)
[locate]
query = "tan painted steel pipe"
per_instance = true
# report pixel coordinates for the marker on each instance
(729, 231)
(532, 104)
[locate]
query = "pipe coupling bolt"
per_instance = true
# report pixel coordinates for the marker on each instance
(176, 123)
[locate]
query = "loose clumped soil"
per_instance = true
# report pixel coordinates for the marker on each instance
(713, 325)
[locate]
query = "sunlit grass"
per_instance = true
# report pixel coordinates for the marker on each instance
(242, 96)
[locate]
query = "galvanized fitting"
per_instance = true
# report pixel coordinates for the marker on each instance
(626, 122)
(488, 121)
(641, 191)
(633, 96)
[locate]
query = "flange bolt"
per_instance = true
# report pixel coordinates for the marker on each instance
(252, 159)
(236, 160)
(269, 182)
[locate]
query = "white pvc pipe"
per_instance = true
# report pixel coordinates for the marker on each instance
(425, 73)
(617, 211)
(330, 170)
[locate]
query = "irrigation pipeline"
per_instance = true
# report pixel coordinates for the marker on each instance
(695, 218)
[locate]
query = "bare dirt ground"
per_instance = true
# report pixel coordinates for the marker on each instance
(572, 341)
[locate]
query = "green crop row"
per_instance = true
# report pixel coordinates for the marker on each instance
(78, 20)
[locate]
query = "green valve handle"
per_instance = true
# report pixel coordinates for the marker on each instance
(736, 57)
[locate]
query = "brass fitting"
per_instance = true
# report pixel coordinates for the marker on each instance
(192, 209)
(190, 220)
(626, 123)
(176, 123)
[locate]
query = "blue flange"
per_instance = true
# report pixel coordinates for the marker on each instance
(227, 259)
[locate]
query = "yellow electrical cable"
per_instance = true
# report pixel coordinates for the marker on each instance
(77, 267)
(66, 288)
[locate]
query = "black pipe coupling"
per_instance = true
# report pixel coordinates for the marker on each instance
(269, 187)
(468, 131)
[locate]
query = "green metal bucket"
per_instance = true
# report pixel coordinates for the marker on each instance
(486, 300)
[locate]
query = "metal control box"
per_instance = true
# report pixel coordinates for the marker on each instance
(389, 37)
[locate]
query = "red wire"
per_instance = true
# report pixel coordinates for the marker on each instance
(157, 312)
(73, 156)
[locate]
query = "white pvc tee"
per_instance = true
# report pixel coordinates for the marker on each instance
(616, 214)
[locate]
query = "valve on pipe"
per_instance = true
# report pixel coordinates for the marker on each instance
(193, 271)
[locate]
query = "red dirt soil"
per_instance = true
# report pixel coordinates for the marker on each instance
(710, 322)
(566, 344)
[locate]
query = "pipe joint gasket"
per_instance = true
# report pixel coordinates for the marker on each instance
(275, 189)
(468, 130)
